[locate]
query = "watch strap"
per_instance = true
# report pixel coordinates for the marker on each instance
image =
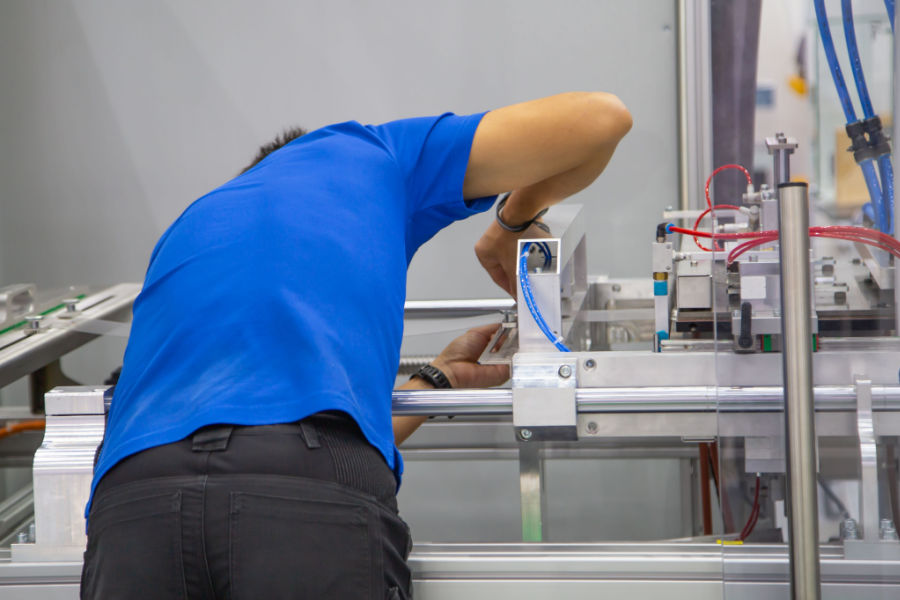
(514, 228)
(434, 376)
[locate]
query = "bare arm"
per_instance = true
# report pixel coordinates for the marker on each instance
(459, 362)
(545, 150)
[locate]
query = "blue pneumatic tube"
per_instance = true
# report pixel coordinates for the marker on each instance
(855, 63)
(871, 177)
(528, 296)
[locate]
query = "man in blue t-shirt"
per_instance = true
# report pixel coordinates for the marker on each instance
(250, 449)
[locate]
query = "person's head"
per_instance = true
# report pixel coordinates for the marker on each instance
(288, 135)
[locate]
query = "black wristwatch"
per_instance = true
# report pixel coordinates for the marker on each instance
(434, 376)
(516, 228)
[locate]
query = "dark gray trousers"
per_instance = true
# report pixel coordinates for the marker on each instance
(304, 511)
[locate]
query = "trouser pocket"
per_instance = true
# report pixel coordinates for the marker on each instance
(134, 548)
(289, 547)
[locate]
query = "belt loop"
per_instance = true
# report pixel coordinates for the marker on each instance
(212, 439)
(310, 436)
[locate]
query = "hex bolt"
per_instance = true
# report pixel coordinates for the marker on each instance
(22, 537)
(525, 434)
(71, 304)
(565, 371)
(590, 363)
(887, 530)
(592, 427)
(31, 534)
(849, 529)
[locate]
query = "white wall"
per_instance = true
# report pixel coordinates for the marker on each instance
(116, 115)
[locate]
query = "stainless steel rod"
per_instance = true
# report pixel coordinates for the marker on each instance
(643, 400)
(800, 432)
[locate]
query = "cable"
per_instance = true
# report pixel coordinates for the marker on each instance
(754, 513)
(871, 177)
(855, 63)
(723, 236)
(14, 428)
(706, 212)
(889, 5)
(847, 105)
(719, 170)
(833, 65)
(532, 305)
(829, 493)
(892, 248)
(887, 187)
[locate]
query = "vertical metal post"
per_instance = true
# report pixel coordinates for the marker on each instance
(694, 101)
(895, 138)
(531, 484)
(869, 517)
(800, 430)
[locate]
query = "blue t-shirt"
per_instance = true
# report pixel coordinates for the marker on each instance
(280, 294)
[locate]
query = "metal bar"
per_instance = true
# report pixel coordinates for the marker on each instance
(688, 399)
(800, 431)
(531, 488)
(705, 498)
(694, 101)
(23, 353)
(868, 456)
(428, 309)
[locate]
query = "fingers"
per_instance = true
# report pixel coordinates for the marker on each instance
(486, 331)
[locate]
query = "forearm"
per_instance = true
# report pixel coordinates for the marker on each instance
(406, 426)
(526, 202)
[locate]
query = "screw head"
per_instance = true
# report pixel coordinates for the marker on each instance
(592, 427)
(616, 287)
(22, 537)
(590, 363)
(71, 304)
(33, 323)
(525, 434)
(565, 371)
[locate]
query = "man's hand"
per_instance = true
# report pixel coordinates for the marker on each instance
(459, 362)
(497, 251)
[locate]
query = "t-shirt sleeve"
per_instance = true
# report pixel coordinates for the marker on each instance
(432, 153)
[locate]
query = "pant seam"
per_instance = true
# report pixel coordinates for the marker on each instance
(210, 587)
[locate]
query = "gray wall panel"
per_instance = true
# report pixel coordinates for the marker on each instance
(116, 115)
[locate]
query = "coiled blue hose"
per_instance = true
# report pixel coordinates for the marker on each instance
(528, 296)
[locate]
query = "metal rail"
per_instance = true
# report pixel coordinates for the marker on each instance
(688, 399)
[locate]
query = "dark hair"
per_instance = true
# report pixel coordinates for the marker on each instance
(288, 135)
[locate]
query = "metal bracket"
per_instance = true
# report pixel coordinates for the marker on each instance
(870, 547)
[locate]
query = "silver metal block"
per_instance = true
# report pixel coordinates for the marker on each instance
(693, 288)
(63, 470)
